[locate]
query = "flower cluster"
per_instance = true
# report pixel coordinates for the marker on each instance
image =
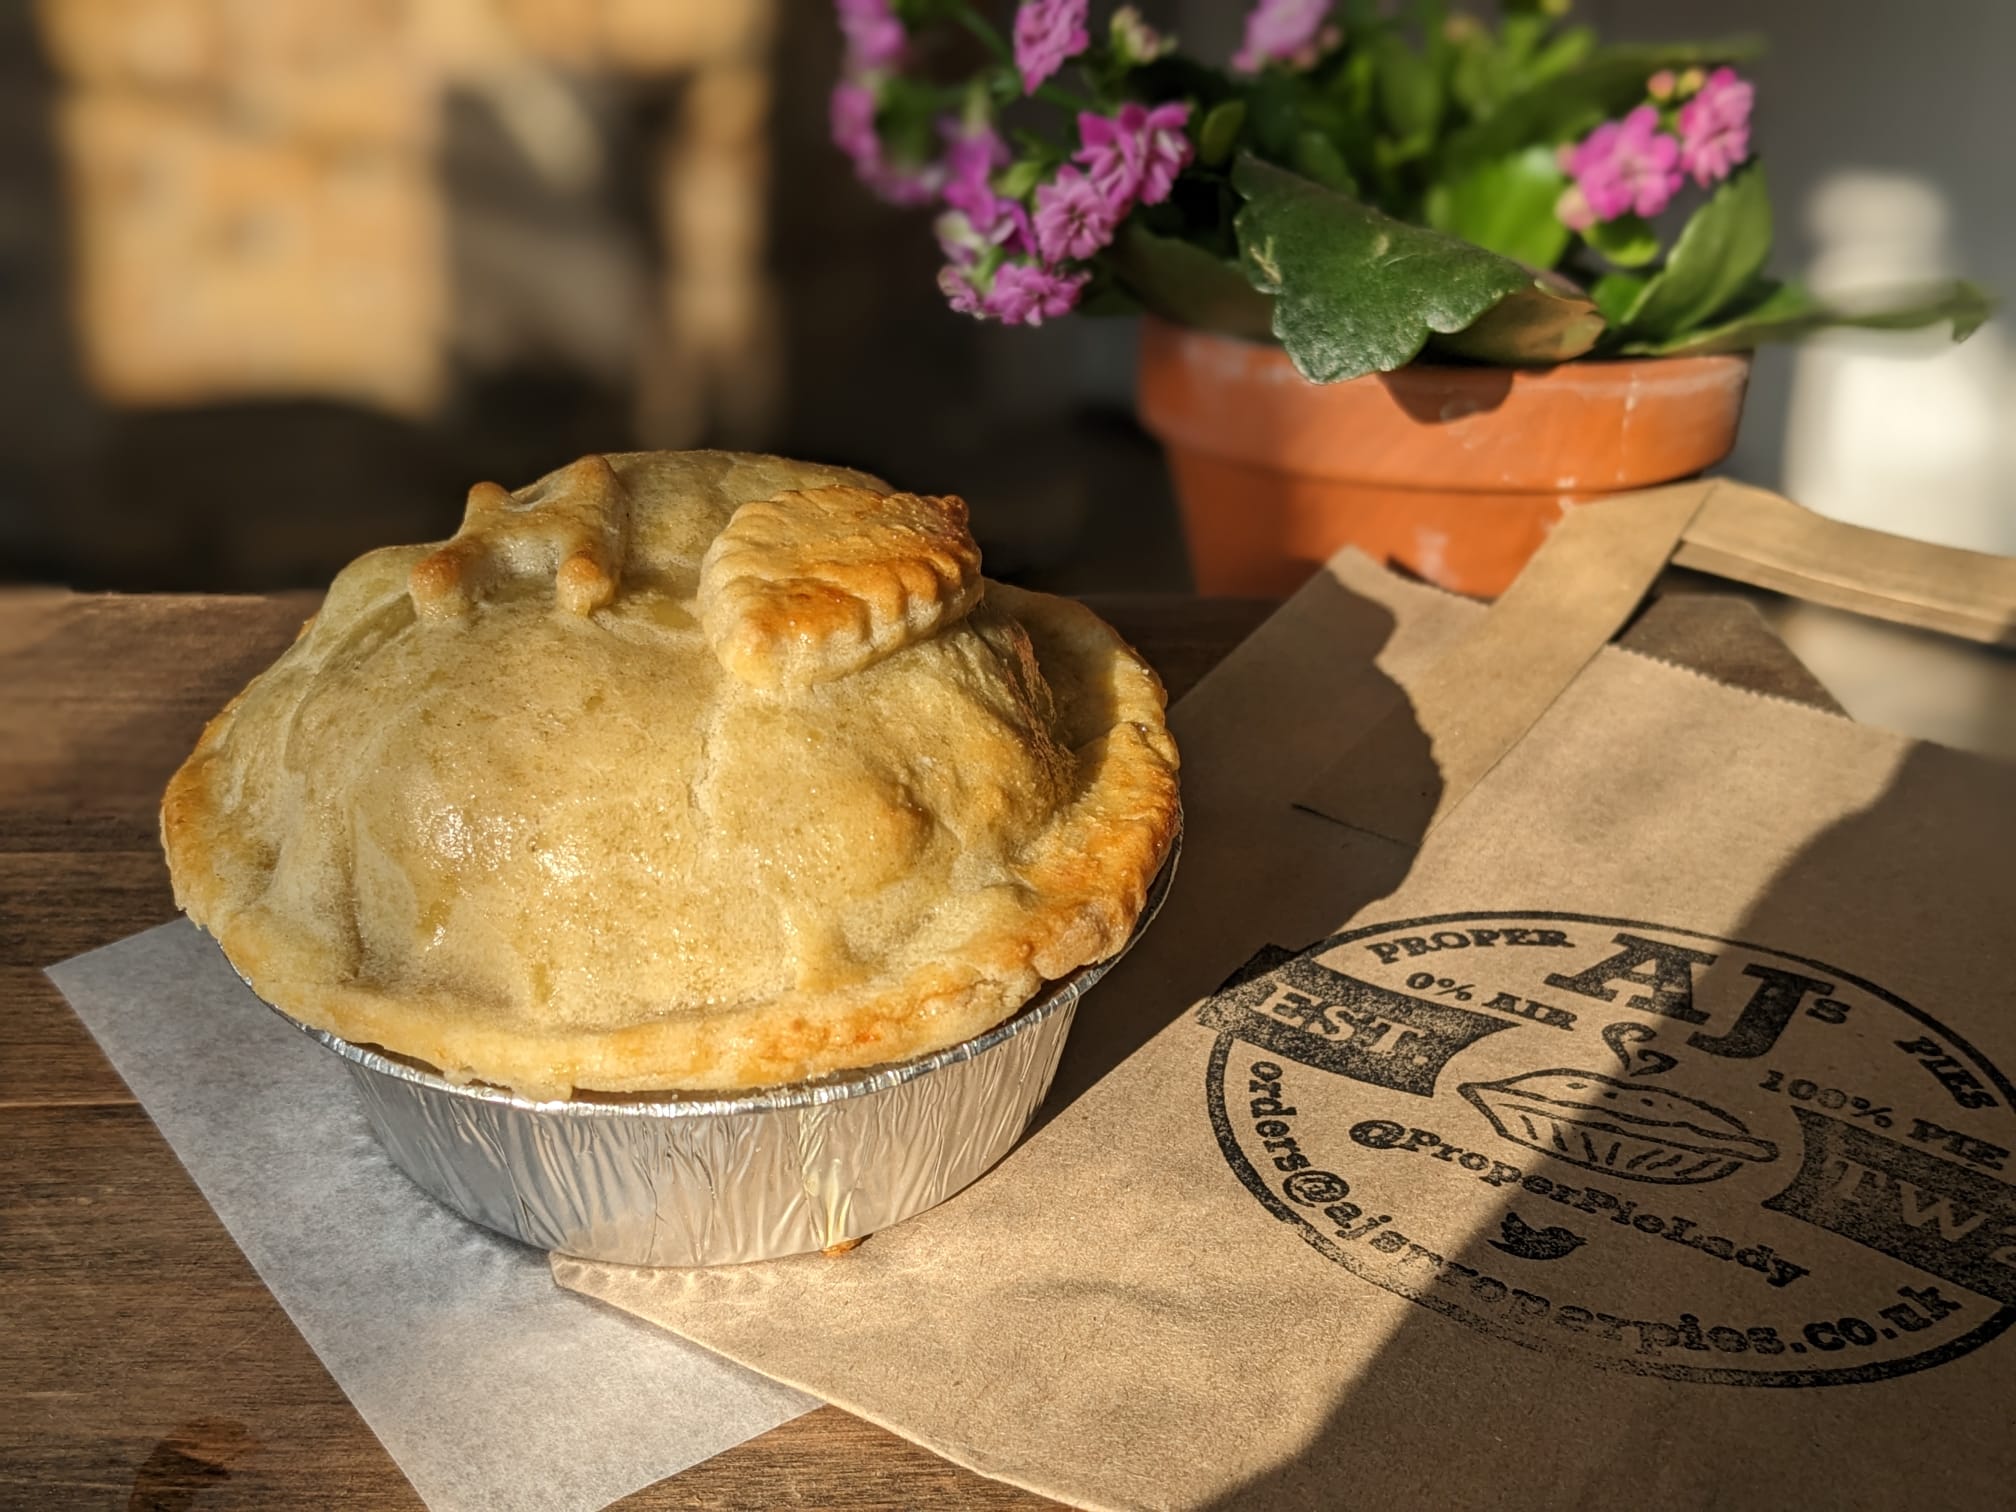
(852, 119)
(1017, 257)
(1636, 165)
(1077, 164)
(1018, 237)
(1006, 263)
(876, 45)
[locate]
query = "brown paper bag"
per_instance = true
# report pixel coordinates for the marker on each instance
(1639, 1137)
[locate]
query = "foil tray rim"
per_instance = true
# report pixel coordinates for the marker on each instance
(838, 1087)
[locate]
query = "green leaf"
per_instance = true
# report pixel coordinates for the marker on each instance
(1617, 293)
(1356, 84)
(1720, 252)
(1394, 152)
(1628, 241)
(1569, 50)
(1410, 92)
(1317, 158)
(1788, 312)
(1520, 34)
(1275, 112)
(1568, 102)
(1506, 206)
(1357, 292)
(1476, 78)
(1490, 68)
(1220, 131)
(1018, 178)
(1186, 283)
(907, 119)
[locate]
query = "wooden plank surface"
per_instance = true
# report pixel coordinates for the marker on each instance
(142, 1364)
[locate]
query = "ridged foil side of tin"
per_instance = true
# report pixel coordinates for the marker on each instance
(688, 1180)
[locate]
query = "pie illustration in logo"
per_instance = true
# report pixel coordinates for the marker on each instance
(1631, 1130)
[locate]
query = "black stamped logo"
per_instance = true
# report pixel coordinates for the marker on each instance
(1649, 1149)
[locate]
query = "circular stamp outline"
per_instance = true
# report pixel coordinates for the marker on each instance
(1988, 1329)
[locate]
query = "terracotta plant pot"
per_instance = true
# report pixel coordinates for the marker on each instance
(1454, 473)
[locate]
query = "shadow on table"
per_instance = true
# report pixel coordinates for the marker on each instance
(1443, 1417)
(189, 1464)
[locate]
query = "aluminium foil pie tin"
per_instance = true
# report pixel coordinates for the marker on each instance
(704, 1179)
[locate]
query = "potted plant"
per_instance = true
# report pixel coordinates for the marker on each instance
(1415, 281)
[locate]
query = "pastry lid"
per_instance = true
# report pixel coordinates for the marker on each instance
(677, 770)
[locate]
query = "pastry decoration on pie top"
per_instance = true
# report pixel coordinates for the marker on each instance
(677, 770)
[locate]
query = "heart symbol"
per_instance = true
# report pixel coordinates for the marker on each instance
(1621, 1035)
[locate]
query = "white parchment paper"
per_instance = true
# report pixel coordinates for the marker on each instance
(491, 1387)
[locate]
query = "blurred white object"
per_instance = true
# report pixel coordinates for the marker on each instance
(1929, 686)
(1906, 433)
(1902, 432)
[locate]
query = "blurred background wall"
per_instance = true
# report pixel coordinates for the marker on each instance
(532, 228)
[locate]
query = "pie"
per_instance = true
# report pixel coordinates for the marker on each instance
(677, 770)
(1630, 1129)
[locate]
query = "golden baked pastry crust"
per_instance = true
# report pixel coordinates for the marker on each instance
(490, 817)
(821, 582)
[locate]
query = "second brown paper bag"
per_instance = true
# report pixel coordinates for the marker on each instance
(1638, 1135)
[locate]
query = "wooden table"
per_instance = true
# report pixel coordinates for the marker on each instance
(142, 1363)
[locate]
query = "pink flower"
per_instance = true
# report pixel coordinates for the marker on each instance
(990, 219)
(1134, 41)
(972, 156)
(964, 240)
(1165, 150)
(1277, 31)
(1715, 127)
(851, 117)
(972, 153)
(1013, 231)
(900, 185)
(874, 36)
(1073, 219)
(1047, 33)
(1627, 167)
(1019, 292)
(1572, 209)
(1136, 154)
(958, 239)
(1027, 293)
(957, 286)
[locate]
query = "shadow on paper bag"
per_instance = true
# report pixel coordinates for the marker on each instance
(1661, 1166)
